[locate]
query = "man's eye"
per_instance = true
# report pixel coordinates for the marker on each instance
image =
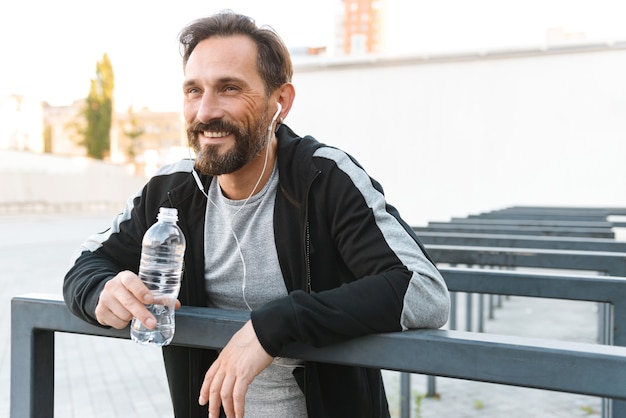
(193, 91)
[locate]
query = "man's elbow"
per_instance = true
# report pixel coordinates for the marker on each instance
(426, 304)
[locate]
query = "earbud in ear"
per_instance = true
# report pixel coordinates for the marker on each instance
(279, 108)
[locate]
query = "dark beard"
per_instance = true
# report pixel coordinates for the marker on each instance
(247, 145)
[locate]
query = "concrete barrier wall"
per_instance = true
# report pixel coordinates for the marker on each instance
(40, 182)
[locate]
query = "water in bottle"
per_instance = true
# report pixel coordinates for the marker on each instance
(160, 269)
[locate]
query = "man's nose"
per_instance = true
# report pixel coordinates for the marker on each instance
(209, 108)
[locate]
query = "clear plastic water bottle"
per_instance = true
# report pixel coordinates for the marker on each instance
(160, 269)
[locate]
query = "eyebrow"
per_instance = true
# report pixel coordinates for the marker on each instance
(220, 81)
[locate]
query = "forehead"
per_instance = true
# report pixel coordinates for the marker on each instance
(234, 54)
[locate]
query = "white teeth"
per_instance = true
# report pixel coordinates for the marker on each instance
(215, 134)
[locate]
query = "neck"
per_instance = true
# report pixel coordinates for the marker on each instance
(250, 179)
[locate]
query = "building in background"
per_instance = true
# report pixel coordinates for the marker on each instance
(21, 124)
(361, 27)
(143, 138)
(61, 125)
(148, 138)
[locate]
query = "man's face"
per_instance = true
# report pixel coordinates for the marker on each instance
(225, 105)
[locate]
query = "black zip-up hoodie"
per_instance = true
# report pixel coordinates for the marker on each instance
(351, 265)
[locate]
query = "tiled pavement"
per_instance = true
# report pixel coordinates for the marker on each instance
(99, 377)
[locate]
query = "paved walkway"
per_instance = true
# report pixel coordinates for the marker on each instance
(99, 377)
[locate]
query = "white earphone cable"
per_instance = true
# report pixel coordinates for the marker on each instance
(230, 222)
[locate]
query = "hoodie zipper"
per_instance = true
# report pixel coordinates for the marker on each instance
(182, 224)
(307, 236)
(307, 267)
(307, 255)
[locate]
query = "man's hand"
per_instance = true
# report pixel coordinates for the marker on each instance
(227, 380)
(123, 298)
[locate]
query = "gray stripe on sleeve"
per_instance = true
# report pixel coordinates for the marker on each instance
(426, 302)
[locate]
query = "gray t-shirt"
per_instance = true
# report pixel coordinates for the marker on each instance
(242, 273)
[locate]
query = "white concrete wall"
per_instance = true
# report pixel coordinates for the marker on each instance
(448, 137)
(32, 181)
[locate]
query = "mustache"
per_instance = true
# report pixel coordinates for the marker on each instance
(215, 125)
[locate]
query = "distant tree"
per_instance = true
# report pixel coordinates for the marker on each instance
(47, 138)
(133, 131)
(98, 111)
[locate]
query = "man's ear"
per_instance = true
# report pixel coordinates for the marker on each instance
(286, 95)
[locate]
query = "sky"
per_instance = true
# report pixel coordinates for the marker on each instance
(49, 49)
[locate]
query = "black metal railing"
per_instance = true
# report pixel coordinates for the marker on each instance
(589, 369)
(553, 238)
(579, 239)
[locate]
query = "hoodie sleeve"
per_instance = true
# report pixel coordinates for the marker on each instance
(99, 259)
(104, 255)
(376, 277)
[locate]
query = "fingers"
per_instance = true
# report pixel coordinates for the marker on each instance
(123, 298)
(112, 317)
(210, 390)
(136, 287)
(225, 391)
(226, 382)
(239, 398)
(226, 395)
(206, 385)
(233, 396)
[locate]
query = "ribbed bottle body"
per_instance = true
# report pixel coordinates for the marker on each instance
(160, 269)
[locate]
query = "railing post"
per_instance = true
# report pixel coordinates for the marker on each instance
(481, 314)
(452, 323)
(468, 311)
(405, 395)
(617, 407)
(32, 368)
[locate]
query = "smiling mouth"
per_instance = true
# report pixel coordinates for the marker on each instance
(212, 134)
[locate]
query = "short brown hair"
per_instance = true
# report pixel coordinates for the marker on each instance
(273, 59)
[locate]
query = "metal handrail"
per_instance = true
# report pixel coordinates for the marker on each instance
(588, 369)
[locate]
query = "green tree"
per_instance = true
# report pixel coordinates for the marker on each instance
(98, 111)
(132, 130)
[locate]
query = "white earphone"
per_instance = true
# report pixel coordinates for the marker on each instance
(278, 110)
(201, 187)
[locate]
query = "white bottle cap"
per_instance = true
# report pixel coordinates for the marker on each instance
(168, 214)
